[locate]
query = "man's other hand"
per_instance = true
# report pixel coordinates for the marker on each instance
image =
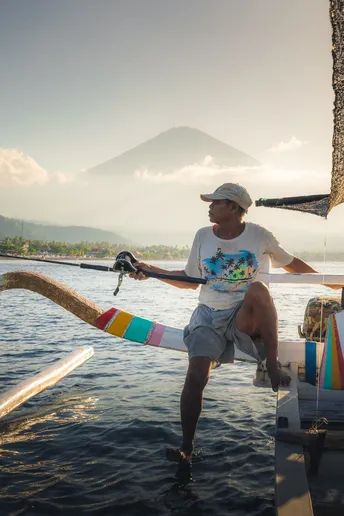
(141, 274)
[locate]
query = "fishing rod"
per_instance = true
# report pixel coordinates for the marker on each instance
(124, 264)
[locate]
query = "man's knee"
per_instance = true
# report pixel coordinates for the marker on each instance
(258, 292)
(198, 373)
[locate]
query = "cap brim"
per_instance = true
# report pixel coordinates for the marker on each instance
(211, 197)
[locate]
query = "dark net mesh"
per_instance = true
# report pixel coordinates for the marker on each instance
(322, 204)
(337, 180)
(315, 204)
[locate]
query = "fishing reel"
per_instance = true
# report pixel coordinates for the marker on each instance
(124, 264)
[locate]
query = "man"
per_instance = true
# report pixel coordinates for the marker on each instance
(234, 306)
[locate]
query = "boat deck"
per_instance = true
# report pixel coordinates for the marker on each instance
(327, 487)
(299, 491)
(311, 410)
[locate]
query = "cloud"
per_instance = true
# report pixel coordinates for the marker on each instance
(293, 144)
(19, 169)
(201, 173)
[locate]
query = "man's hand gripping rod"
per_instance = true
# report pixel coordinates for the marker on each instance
(125, 263)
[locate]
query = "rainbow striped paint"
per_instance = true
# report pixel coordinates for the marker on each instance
(332, 365)
(136, 329)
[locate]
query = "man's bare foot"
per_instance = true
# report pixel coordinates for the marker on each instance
(278, 377)
(183, 473)
(176, 455)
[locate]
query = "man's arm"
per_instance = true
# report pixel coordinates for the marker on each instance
(299, 266)
(179, 284)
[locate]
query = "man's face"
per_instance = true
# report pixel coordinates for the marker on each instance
(221, 211)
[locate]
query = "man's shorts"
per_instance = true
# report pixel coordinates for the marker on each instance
(213, 334)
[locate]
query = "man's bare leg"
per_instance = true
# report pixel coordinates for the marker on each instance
(258, 315)
(191, 406)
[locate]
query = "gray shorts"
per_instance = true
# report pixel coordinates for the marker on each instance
(213, 334)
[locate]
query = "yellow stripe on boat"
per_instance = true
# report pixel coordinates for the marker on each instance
(120, 324)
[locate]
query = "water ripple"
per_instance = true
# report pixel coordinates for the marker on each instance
(94, 444)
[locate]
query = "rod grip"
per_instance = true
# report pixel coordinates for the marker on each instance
(95, 267)
(185, 279)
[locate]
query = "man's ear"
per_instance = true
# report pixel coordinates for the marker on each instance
(233, 205)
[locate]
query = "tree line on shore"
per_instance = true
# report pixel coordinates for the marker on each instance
(24, 247)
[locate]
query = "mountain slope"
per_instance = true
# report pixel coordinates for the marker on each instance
(70, 234)
(174, 149)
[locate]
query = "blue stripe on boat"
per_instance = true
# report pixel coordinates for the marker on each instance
(138, 330)
(329, 359)
(311, 362)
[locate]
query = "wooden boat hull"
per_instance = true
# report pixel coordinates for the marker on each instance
(309, 466)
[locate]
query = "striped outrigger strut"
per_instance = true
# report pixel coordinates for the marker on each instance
(128, 326)
(332, 365)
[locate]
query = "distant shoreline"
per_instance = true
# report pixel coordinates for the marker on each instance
(83, 258)
(339, 259)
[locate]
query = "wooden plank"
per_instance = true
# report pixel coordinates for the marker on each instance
(288, 402)
(294, 351)
(334, 439)
(331, 410)
(327, 487)
(303, 278)
(291, 485)
(291, 488)
(311, 392)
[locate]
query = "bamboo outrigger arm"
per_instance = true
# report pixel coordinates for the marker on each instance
(68, 299)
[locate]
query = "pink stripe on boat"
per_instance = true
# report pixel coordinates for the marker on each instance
(156, 335)
(103, 319)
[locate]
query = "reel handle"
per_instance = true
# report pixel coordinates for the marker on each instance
(126, 255)
(124, 263)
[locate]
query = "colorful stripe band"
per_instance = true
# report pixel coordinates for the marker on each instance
(128, 326)
(311, 362)
(332, 366)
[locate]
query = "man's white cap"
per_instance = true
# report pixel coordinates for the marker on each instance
(232, 192)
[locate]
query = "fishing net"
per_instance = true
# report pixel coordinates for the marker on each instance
(322, 204)
(337, 178)
(315, 204)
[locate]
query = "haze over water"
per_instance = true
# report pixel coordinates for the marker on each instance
(83, 83)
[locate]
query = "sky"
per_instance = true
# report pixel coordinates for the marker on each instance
(83, 81)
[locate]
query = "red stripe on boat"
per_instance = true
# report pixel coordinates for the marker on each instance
(103, 319)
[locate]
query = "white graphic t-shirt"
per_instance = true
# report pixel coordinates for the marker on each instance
(231, 265)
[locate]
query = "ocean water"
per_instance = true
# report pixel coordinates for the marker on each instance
(94, 443)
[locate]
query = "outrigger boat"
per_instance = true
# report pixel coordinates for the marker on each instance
(309, 457)
(309, 444)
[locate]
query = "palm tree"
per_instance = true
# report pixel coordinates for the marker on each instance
(219, 255)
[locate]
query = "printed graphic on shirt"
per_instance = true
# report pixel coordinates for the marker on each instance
(230, 272)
